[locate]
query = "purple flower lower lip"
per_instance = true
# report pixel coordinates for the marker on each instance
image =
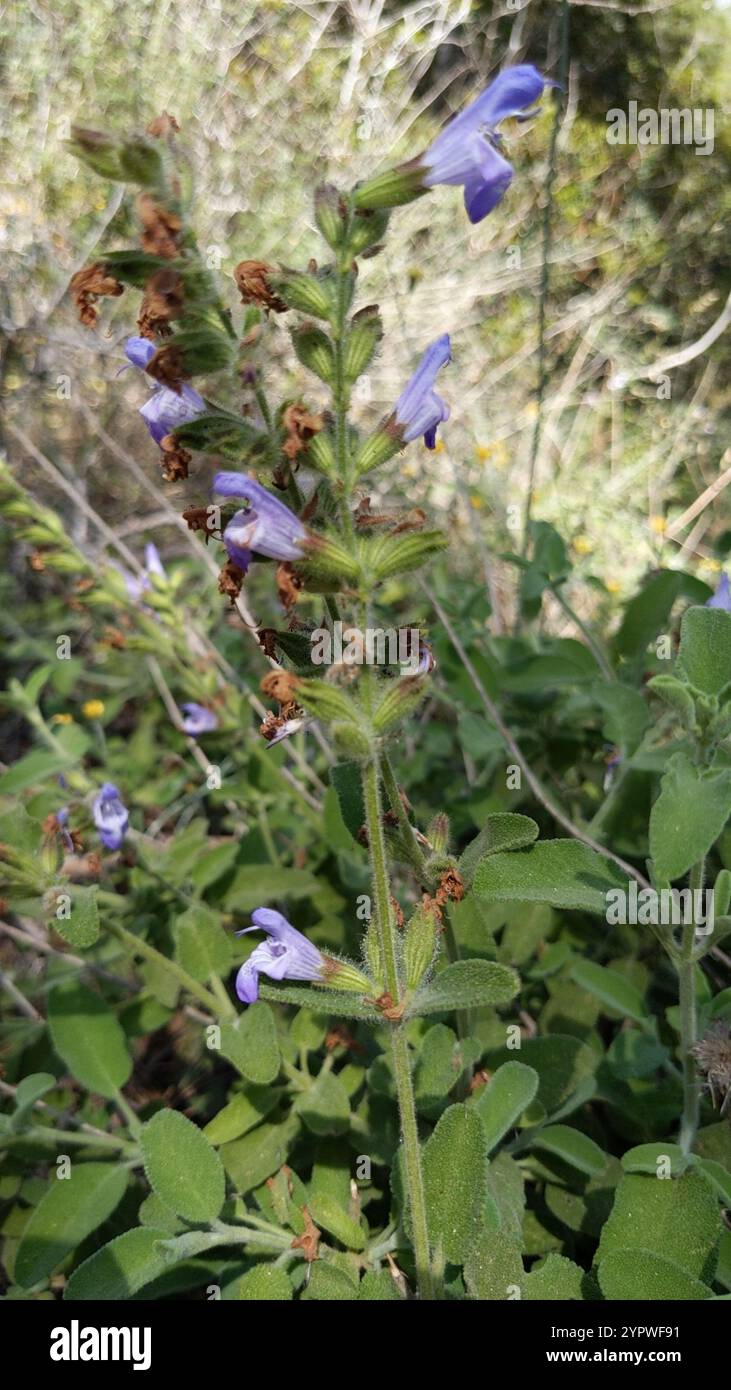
(198, 719)
(419, 410)
(165, 409)
(722, 596)
(465, 152)
(265, 525)
(111, 817)
(285, 955)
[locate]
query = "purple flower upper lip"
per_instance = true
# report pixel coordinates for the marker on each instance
(285, 955)
(722, 596)
(198, 719)
(111, 817)
(419, 410)
(165, 409)
(265, 525)
(465, 153)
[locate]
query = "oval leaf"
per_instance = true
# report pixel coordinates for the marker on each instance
(182, 1167)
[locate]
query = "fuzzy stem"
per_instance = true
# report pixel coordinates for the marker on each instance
(390, 786)
(689, 1020)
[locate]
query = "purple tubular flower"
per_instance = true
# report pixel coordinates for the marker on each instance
(722, 596)
(198, 719)
(264, 525)
(165, 409)
(285, 955)
(111, 817)
(465, 153)
(419, 410)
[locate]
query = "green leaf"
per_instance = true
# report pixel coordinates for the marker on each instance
(81, 927)
(626, 715)
(69, 1211)
(251, 1044)
(501, 831)
(88, 1038)
(562, 1063)
(182, 1167)
(377, 1286)
(613, 989)
(689, 814)
(456, 1148)
(346, 779)
(502, 1101)
(27, 1092)
(642, 1276)
(657, 1159)
(494, 1270)
(325, 1107)
(265, 1284)
(555, 1280)
(572, 1146)
(564, 873)
(466, 984)
(675, 1218)
(719, 1178)
(705, 648)
(327, 1213)
(257, 883)
(647, 613)
(438, 1066)
(329, 1284)
(243, 1113)
(220, 434)
(253, 1158)
(120, 1268)
(202, 947)
(321, 1001)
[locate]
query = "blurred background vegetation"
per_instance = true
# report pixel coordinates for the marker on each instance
(273, 98)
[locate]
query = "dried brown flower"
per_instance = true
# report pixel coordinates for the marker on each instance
(174, 459)
(160, 227)
(163, 126)
(300, 426)
(162, 301)
(89, 285)
(252, 280)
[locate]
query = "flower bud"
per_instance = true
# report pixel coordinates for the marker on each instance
(392, 188)
(394, 554)
(343, 974)
(97, 150)
(437, 833)
(321, 454)
(140, 162)
(326, 701)
(377, 449)
(303, 292)
(369, 227)
(364, 334)
(315, 352)
(351, 740)
(327, 558)
(330, 214)
(401, 699)
(420, 940)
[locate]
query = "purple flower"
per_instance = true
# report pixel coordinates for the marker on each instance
(427, 660)
(198, 719)
(110, 816)
(722, 596)
(165, 409)
(264, 525)
(419, 410)
(285, 955)
(136, 584)
(465, 153)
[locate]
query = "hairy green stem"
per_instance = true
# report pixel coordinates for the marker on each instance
(689, 1019)
(390, 785)
(400, 1051)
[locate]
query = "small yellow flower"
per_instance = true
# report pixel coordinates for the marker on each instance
(582, 545)
(714, 566)
(476, 501)
(62, 719)
(658, 524)
(438, 447)
(613, 585)
(93, 709)
(483, 451)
